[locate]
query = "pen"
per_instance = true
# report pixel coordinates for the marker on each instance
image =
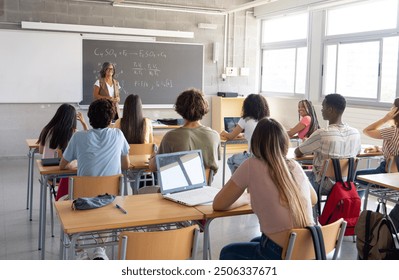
(120, 208)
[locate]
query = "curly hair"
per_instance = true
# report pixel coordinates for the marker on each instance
(255, 106)
(336, 101)
(101, 113)
(191, 105)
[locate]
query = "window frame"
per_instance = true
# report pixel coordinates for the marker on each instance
(288, 44)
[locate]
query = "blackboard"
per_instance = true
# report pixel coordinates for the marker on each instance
(157, 72)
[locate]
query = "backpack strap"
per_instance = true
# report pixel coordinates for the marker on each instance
(318, 242)
(367, 247)
(351, 170)
(337, 170)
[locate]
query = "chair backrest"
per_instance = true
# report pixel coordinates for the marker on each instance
(297, 244)
(391, 165)
(142, 149)
(209, 176)
(90, 186)
(175, 244)
(328, 167)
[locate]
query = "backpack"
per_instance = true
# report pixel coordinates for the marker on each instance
(376, 237)
(343, 201)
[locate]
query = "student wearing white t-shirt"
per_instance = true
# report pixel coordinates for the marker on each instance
(254, 108)
(108, 87)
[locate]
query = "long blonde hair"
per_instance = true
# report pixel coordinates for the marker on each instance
(270, 143)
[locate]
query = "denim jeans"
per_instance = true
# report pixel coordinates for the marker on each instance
(259, 248)
(235, 160)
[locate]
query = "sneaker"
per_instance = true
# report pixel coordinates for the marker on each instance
(99, 254)
(82, 255)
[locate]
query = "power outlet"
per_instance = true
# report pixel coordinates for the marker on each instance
(231, 71)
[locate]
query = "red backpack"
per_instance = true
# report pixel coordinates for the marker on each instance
(343, 201)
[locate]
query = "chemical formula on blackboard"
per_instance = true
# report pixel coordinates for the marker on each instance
(158, 72)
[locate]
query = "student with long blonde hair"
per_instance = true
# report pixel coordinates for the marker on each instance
(279, 192)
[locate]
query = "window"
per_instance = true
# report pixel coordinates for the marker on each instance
(361, 52)
(284, 55)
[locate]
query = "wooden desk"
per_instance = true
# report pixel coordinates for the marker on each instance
(390, 182)
(240, 145)
(210, 214)
(143, 210)
(47, 173)
(309, 158)
(33, 148)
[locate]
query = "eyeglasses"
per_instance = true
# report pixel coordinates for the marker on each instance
(112, 69)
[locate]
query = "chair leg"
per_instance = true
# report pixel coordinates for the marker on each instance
(51, 212)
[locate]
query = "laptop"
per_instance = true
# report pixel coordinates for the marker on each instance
(230, 123)
(181, 178)
(51, 161)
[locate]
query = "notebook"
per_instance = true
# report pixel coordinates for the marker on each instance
(50, 161)
(181, 177)
(230, 123)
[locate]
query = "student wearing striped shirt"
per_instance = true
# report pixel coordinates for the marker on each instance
(387, 129)
(338, 140)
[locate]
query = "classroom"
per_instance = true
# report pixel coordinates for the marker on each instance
(285, 50)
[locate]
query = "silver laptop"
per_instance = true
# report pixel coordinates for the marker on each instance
(181, 177)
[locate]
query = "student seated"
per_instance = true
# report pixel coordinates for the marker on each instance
(389, 135)
(100, 151)
(308, 122)
(136, 128)
(55, 136)
(278, 189)
(338, 140)
(254, 108)
(192, 106)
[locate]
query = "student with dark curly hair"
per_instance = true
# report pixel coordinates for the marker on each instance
(254, 108)
(100, 151)
(192, 106)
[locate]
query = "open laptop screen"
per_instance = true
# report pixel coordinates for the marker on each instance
(230, 123)
(180, 171)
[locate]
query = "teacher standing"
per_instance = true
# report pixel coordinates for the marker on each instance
(107, 87)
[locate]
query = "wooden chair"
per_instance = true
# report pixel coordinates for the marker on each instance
(297, 244)
(141, 175)
(90, 186)
(175, 244)
(328, 172)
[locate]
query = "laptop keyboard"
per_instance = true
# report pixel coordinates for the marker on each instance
(196, 196)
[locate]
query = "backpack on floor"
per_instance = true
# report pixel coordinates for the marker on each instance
(343, 201)
(377, 238)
